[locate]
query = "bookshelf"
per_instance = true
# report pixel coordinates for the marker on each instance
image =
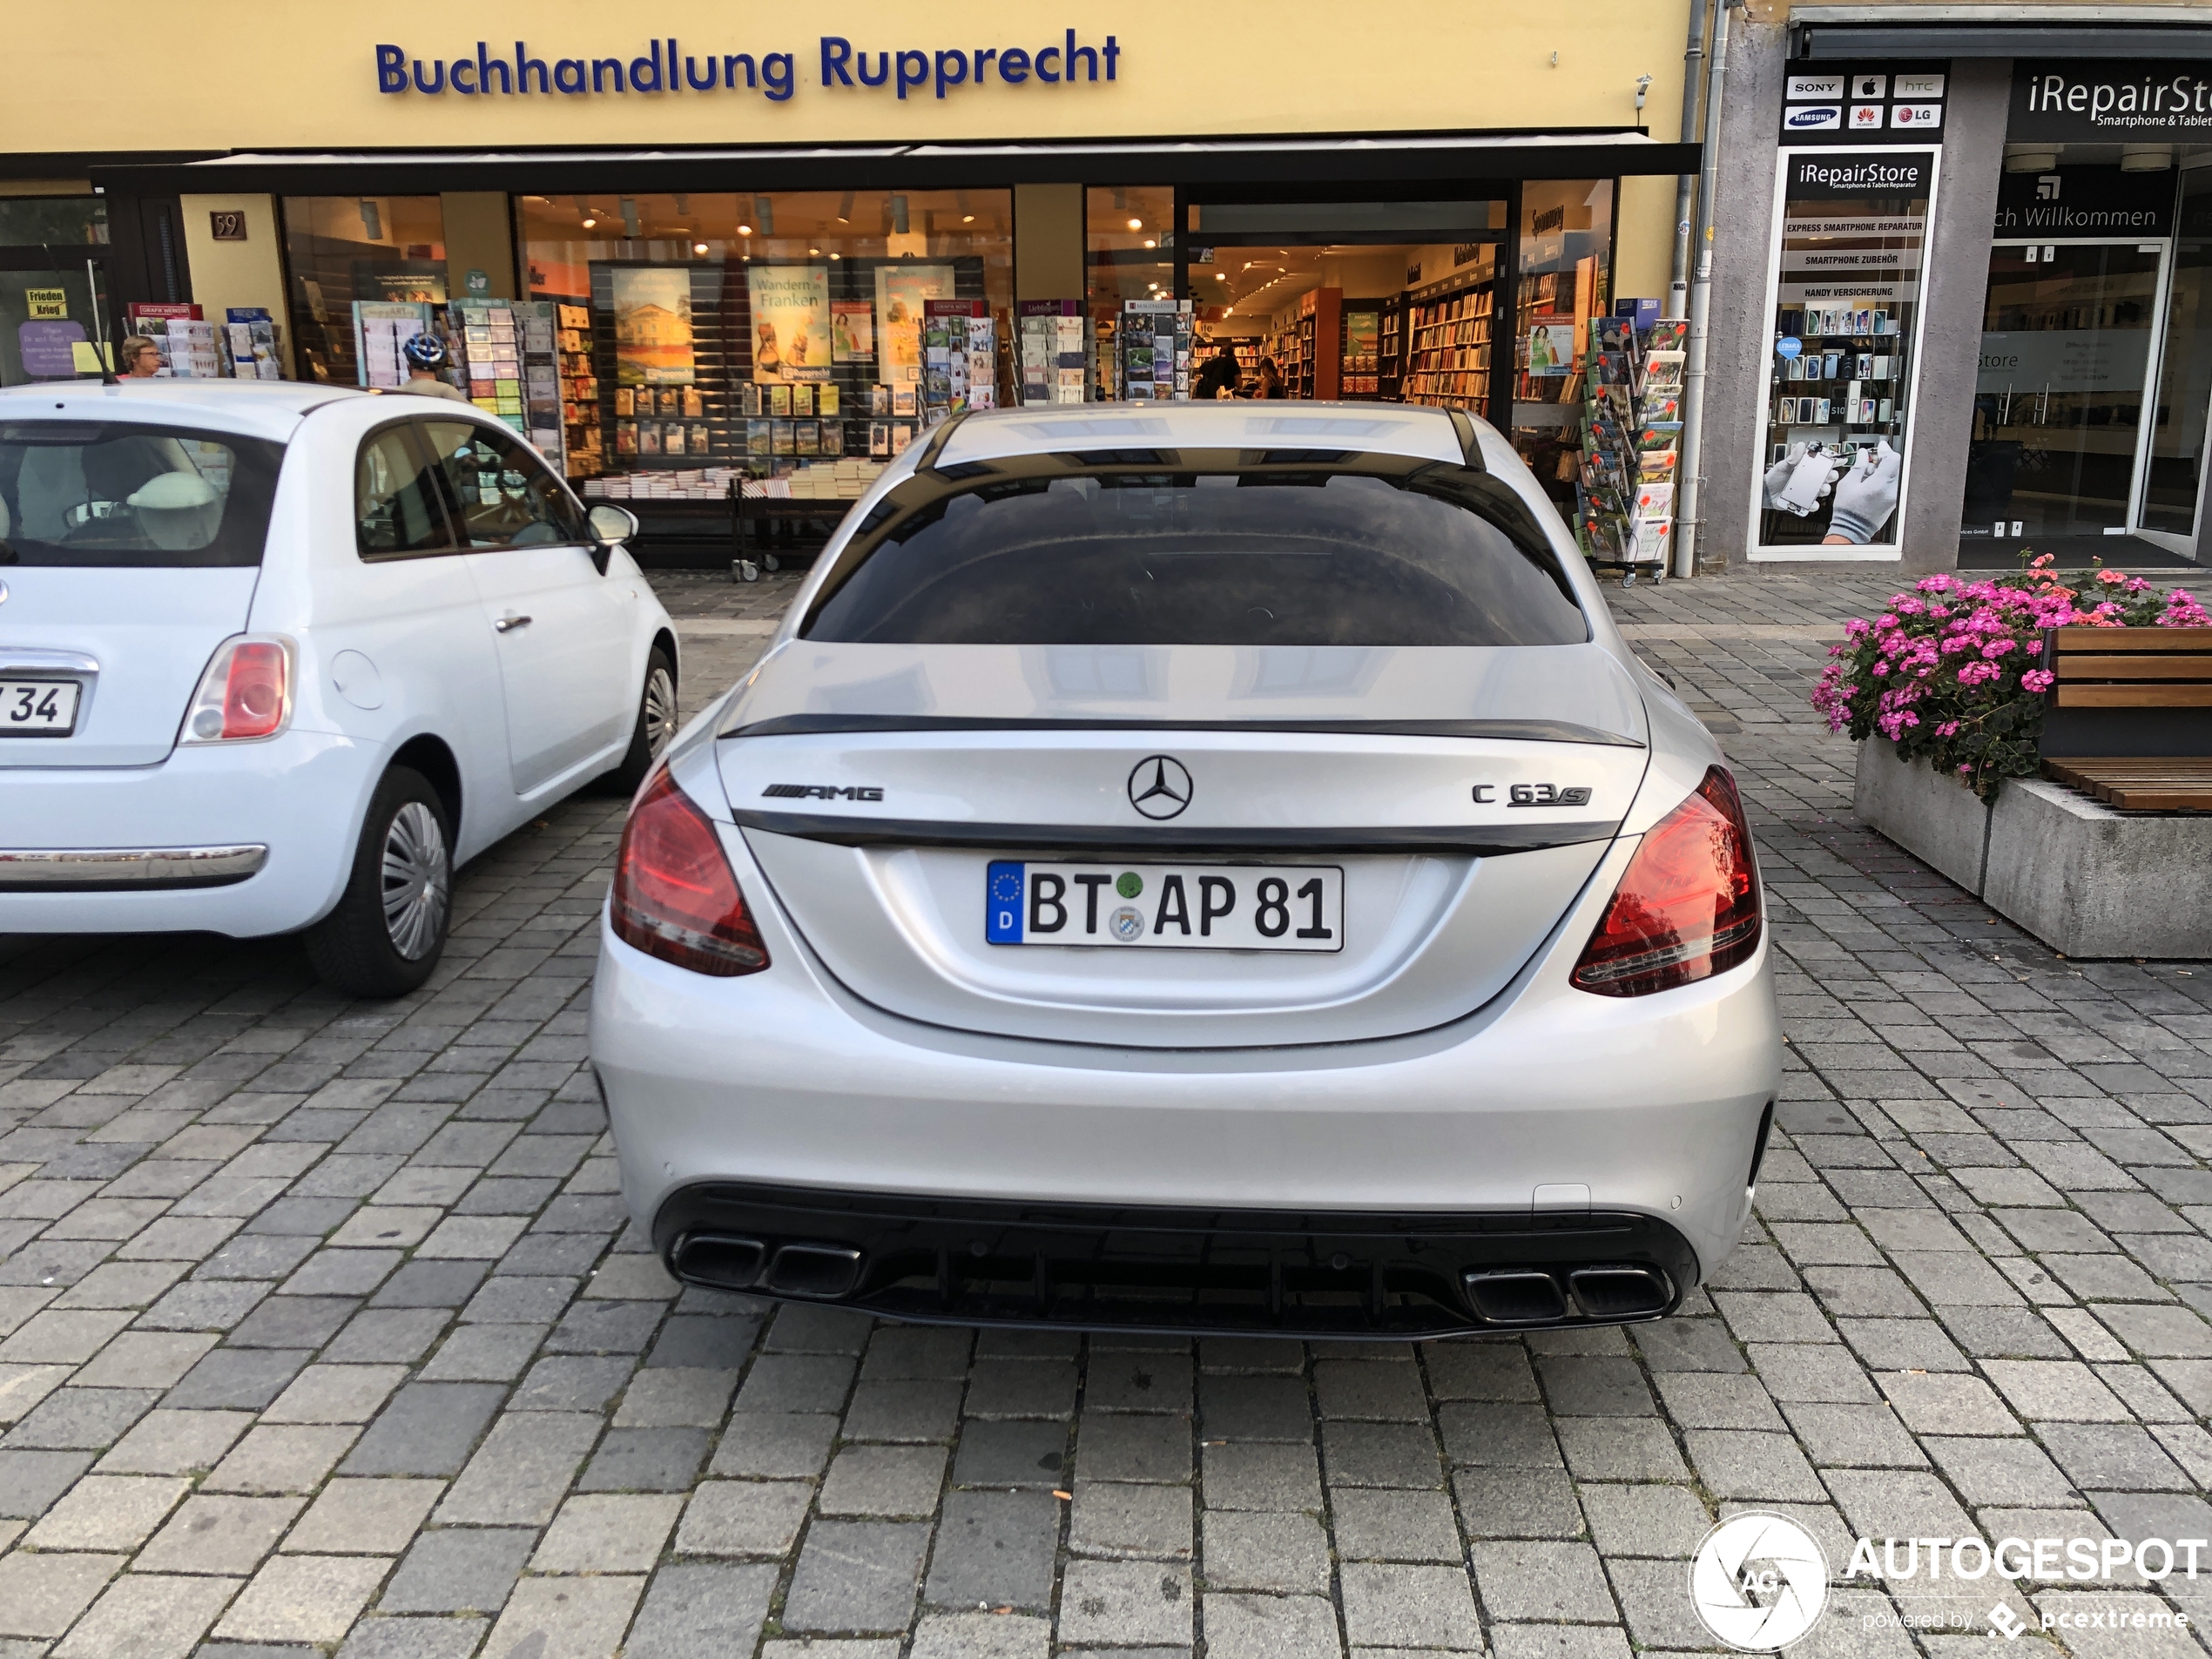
(1447, 356)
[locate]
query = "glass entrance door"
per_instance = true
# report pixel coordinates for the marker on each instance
(2174, 479)
(2060, 410)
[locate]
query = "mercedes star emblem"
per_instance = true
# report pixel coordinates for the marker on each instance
(1159, 787)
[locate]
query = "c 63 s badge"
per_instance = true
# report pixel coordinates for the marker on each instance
(1532, 795)
(822, 791)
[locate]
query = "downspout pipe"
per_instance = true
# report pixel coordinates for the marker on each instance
(1693, 62)
(1689, 495)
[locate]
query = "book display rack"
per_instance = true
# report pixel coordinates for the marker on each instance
(1624, 489)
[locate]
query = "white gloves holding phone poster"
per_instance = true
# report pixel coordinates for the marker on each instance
(1865, 483)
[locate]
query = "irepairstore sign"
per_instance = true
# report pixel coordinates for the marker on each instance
(2109, 102)
(666, 67)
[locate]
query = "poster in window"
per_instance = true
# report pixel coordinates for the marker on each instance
(901, 290)
(1851, 242)
(851, 331)
(653, 326)
(791, 322)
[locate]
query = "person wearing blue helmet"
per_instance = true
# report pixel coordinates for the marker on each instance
(426, 355)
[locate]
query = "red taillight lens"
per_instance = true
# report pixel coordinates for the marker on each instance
(1688, 905)
(253, 692)
(674, 896)
(247, 692)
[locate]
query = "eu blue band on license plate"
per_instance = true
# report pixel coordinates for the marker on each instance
(1003, 890)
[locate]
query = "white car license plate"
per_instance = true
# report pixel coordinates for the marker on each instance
(37, 708)
(1180, 906)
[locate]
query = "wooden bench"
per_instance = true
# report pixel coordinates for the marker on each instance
(2128, 719)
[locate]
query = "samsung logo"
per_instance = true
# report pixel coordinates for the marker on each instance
(1813, 117)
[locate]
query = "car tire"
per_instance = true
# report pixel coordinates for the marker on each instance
(654, 726)
(389, 928)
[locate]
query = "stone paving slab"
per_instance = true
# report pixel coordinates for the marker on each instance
(322, 1329)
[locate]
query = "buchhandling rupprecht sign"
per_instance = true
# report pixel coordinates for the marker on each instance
(665, 68)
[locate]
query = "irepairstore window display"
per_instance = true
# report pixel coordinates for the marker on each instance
(715, 334)
(1851, 247)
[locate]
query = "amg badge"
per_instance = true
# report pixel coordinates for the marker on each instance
(822, 791)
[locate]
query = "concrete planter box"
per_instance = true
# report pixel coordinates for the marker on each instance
(2087, 880)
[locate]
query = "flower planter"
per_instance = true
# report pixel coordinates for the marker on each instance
(2087, 881)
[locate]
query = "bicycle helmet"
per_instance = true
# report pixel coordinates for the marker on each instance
(425, 351)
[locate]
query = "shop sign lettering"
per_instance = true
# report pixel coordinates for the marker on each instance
(666, 68)
(2109, 101)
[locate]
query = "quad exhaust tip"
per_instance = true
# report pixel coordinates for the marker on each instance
(820, 1272)
(1531, 1296)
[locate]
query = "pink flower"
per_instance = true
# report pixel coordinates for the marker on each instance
(2037, 679)
(1947, 729)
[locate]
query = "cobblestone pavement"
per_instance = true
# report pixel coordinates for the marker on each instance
(319, 1322)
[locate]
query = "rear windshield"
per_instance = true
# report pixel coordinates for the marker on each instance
(105, 493)
(1368, 552)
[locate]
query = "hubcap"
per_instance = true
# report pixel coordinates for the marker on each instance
(659, 710)
(417, 881)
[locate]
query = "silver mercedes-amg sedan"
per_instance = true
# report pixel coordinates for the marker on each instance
(1204, 868)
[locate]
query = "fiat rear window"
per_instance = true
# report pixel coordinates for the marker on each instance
(1030, 552)
(105, 493)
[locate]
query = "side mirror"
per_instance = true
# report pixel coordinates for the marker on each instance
(611, 525)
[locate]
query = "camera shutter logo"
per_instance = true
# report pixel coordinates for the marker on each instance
(1759, 1581)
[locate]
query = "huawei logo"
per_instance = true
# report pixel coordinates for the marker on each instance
(1160, 786)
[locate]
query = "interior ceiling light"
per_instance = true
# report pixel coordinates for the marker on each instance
(1150, 243)
(745, 230)
(699, 247)
(814, 252)
(1136, 223)
(967, 219)
(589, 223)
(844, 208)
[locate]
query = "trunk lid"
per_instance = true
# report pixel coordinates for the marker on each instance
(876, 784)
(136, 640)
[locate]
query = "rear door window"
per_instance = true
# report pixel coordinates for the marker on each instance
(397, 508)
(502, 494)
(108, 493)
(1052, 550)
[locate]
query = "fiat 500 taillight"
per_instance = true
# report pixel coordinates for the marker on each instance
(245, 693)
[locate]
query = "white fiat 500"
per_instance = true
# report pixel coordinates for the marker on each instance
(1216, 867)
(278, 657)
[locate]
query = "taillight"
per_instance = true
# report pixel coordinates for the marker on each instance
(674, 896)
(247, 692)
(1688, 905)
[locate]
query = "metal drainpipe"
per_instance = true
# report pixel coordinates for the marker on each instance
(1686, 186)
(1689, 497)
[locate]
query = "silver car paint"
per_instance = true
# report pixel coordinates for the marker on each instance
(789, 1075)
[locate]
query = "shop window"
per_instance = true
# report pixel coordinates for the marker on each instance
(703, 333)
(1129, 245)
(54, 221)
(1850, 243)
(341, 249)
(1566, 255)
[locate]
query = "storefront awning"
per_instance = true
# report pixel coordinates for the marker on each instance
(1906, 33)
(1362, 158)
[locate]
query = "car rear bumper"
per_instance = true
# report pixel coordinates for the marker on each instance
(1315, 1274)
(247, 840)
(1547, 1105)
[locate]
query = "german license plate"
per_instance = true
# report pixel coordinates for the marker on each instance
(1177, 907)
(37, 708)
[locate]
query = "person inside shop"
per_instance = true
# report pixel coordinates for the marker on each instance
(1271, 380)
(1220, 378)
(141, 358)
(426, 355)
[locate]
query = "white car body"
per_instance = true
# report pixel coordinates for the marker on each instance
(890, 1081)
(115, 828)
